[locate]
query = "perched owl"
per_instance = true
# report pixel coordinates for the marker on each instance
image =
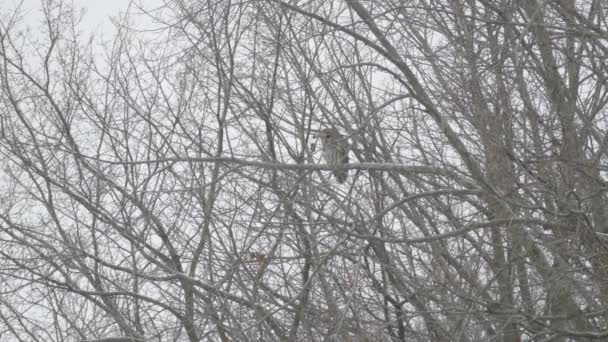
(335, 151)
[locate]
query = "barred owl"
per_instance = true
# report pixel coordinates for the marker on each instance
(335, 151)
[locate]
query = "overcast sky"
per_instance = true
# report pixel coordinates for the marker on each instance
(97, 15)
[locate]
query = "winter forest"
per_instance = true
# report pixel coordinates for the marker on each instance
(173, 183)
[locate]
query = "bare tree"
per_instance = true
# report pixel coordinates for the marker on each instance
(171, 187)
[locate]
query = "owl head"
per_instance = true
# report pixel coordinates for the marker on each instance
(328, 135)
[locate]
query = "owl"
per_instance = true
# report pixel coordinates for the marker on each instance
(335, 151)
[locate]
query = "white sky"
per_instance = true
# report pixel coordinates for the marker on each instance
(99, 11)
(96, 19)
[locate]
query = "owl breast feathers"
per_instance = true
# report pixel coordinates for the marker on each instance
(335, 152)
